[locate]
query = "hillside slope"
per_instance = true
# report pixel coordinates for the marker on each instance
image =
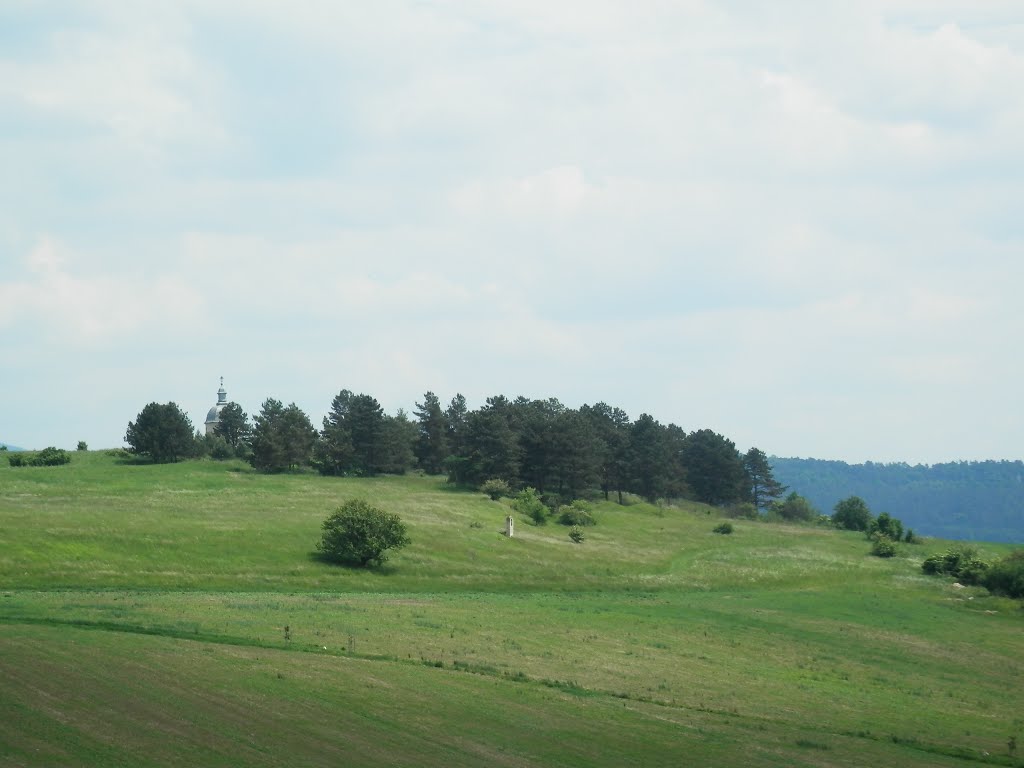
(143, 615)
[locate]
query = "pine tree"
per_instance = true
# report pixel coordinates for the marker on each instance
(282, 437)
(612, 428)
(714, 468)
(764, 488)
(162, 432)
(398, 436)
(233, 425)
(432, 438)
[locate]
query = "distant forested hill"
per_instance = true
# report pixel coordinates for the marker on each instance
(974, 500)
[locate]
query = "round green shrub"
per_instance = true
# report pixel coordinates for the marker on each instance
(576, 513)
(961, 562)
(360, 534)
(495, 488)
(883, 546)
(1006, 576)
(528, 504)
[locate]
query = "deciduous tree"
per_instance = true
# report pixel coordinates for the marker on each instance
(852, 514)
(360, 534)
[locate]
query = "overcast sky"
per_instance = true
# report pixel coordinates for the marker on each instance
(800, 224)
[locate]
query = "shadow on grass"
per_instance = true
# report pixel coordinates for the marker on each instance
(382, 569)
(131, 460)
(444, 485)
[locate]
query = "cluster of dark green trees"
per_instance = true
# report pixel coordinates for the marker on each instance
(885, 531)
(562, 452)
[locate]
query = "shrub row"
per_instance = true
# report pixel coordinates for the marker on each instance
(48, 457)
(1003, 577)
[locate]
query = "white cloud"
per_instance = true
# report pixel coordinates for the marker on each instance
(68, 309)
(130, 75)
(692, 209)
(556, 191)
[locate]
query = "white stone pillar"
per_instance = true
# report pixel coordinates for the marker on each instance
(509, 531)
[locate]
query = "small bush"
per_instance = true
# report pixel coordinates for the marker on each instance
(528, 504)
(910, 537)
(51, 457)
(794, 508)
(883, 546)
(577, 513)
(359, 534)
(973, 572)
(82, 446)
(961, 562)
(48, 457)
(724, 528)
(218, 448)
(744, 511)
(1006, 576)
(885, 525)
(576, 534)
(495, 488)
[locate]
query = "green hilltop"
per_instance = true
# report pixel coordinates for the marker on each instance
(143, 616)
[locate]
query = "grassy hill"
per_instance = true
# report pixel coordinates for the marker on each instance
(142, 615)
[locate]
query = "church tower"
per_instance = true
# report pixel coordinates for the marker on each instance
(213, 417)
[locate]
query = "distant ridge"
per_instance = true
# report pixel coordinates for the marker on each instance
(967, 500)
(11, 447)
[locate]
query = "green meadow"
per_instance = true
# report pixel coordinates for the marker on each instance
(143, 612)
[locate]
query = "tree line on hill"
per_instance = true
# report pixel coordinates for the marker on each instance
(562, 452)
(976, 500)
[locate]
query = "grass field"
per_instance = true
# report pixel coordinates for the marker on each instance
(142, 615)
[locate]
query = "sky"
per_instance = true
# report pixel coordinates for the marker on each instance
(798, 224)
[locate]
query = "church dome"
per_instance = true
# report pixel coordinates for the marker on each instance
(213, 417)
